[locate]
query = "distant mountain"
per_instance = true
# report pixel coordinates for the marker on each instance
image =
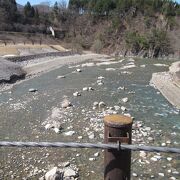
(20, 7)
(42, 8)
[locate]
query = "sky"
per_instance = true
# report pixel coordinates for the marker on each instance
(23, 2)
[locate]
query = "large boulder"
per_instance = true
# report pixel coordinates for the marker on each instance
(10, 72)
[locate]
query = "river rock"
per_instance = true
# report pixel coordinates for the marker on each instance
(96, 104)
(117, 108)
(69, 133)
(60, 77)
(121, 88)
(32, 90)
(90, 89)
(125, 100)
(66, 103)
(70, 173)
(76, 94)
(100, 83)
(54, 174)
(142, 154)
(78, 70)
(110, 69)
(56, 130)
(123, 108)
(161, 174)
(10, 72)
(100, 77)
(134, 175)
(96, 154)
(85, 89)
(102, 104)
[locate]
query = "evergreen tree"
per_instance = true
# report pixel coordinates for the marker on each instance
(29, 11)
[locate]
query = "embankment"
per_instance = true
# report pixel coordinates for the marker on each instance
(168, 83)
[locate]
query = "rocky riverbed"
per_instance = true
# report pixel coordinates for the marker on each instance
(69, 104)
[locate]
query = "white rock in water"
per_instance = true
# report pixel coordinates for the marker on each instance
(78, 70)
(100, 84)
(85, 89)
(161, 174)
(69, 173)
(163, 144)
(53, 174)
(76, 94)
(102, 104)
(60, 77)
(117, 108)
(69, 133)
(90, 89)
(66, 104)
(100, 77)
(32, 90)
(121, 88)
(123, 108)
(125, 100)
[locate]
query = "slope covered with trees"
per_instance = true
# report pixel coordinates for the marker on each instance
(128, 27)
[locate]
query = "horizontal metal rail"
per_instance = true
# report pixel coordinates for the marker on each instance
(89, 145)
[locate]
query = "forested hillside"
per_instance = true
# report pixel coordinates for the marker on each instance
(148, 28)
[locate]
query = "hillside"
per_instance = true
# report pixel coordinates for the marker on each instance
(121, 27)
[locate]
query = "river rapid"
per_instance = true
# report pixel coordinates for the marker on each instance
(24, 116)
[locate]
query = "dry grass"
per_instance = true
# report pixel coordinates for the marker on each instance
(8, 50)
(58, 47)
(13, 49)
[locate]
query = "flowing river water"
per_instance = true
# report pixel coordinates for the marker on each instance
(23, 116)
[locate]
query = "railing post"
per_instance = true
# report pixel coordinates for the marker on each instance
(117, 163)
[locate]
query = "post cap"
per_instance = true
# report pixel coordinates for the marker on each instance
(117, 120)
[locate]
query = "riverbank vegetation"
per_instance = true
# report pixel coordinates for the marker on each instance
(128, 27)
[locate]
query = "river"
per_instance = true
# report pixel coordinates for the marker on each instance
(24, 116)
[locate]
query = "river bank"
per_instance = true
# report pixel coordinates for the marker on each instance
(168, 83)
(35, 65)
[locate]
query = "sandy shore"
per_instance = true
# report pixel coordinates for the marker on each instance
(168, 83)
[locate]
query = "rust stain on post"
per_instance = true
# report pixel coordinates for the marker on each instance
(118, 128)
